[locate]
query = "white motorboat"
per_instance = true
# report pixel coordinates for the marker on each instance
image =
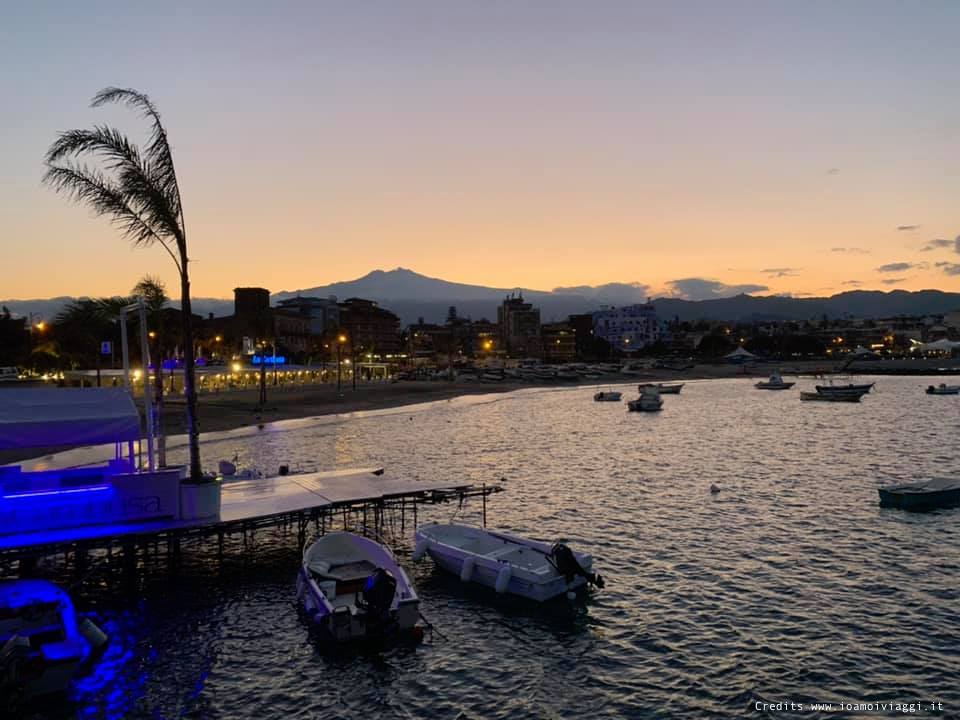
(943, 389)
(353, 588)
(848, 390)
(776, 382)
(507, 563)
(649, 400)
(42, 643)
(607, 396)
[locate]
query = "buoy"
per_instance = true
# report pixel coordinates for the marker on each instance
(466, 572)
(714, 489)
(420, 550)
(503, 579)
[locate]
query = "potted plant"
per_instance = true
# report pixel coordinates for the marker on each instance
(200, 500)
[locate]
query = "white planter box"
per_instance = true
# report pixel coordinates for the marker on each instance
(200, 502)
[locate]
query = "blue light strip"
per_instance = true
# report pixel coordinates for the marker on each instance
(70, 491)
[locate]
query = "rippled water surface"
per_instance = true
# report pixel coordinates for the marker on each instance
(789, 584)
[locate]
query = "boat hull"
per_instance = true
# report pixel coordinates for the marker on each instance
(929, 495)
(772, 386)
(537, 585)
(829, 398)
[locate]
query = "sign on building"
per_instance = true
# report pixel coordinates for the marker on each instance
(106, 347)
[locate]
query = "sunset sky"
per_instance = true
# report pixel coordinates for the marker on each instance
(777, 147)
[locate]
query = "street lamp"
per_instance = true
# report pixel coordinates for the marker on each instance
(341, 339)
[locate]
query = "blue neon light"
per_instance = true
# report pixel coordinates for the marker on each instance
(68, 491)
(270, 360)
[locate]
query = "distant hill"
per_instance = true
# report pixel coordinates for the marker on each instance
(413, 296)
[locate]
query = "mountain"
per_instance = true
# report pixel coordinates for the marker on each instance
(412, 296)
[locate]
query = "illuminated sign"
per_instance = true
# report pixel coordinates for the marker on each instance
(269, 360)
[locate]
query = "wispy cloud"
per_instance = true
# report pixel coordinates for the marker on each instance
(705, 289)
(895, 267)
(833, 171)
(907, 228)
(780, 272)
(941, 243)
(850, 250)
(949, 268)
(894, 281)
(852, 282)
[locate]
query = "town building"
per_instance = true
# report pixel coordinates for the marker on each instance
(322, 313)
(559, 343)
(369, 328)
(519, 325)
(627, 328)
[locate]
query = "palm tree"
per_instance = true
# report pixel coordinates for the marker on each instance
(138, 191)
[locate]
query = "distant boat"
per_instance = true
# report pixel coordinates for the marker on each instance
(830, 397)
(850, 389)
(926, 495)
(607, 396)
(776, 382)
(353, 588)
(673, 389)
(943, 389)
(649, 400)
(507, 563)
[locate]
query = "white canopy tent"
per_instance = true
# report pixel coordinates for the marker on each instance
(739, 354)
(44, 417)
(940, 345)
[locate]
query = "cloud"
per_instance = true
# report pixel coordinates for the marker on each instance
(851, 282)
(615, 292)
(907, 228)
(833, 171)
(941, 243)
(949, 268)
(895, 267)
(893, 281)
(705, 289)
(850, 250)
(780, 272)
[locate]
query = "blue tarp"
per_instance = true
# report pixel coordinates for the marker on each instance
(45, 417)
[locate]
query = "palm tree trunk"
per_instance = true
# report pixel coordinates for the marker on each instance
(190, 389)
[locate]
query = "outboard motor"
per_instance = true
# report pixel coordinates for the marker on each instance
(377, 594)
(567, 565)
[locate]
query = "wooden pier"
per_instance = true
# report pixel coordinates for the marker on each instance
(323, 500)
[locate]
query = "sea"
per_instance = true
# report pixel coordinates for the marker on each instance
(788, 588)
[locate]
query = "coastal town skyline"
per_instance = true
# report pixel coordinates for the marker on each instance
(699, 155)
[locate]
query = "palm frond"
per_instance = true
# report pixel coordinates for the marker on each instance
(136, 178)
(158, 148)
(86, 185)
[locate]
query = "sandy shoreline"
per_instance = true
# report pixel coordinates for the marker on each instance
(236, 409)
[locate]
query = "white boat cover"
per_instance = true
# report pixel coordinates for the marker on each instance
(44, 417)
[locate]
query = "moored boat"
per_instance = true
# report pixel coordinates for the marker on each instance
(943, 389)
(850, 389)
(776, 382)
(665, 389)
(42, 642)
(829, 398)
(507, 563)
(649, 400)
(353, 588)
(926, 495)
(607, 396)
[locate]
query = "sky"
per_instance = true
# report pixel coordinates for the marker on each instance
(697, 148)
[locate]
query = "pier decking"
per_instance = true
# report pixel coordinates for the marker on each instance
(295, 500)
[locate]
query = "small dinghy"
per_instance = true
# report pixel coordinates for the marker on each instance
(607, 396)
(42, 643)
(943, 389)
(927, 495)
(509, 564)
(353, 588)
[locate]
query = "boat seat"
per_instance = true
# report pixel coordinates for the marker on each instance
(347, 572)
